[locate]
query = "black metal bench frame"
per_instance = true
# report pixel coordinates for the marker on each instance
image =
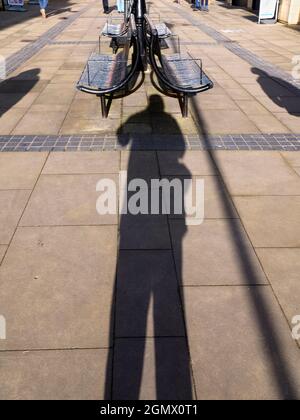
(107, 76)
(118, 37)
(129, 4)
(183, 92)
(106, 94)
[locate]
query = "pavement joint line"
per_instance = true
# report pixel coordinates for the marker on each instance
(105, 142)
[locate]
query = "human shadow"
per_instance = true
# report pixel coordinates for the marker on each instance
(282, 93)
(148, 309)
(14, 89)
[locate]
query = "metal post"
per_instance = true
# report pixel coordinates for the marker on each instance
(139, 12)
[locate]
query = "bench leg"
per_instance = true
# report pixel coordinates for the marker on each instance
(103, 107)
(184, 104)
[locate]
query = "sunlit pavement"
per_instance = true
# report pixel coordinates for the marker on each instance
(128, 307)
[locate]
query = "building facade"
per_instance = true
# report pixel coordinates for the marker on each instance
(289, 11)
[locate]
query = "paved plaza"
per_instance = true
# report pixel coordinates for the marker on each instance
(148, 306)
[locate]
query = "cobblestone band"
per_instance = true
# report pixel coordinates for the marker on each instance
(290, 142)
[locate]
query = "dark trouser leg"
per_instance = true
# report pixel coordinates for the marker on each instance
(105, 5)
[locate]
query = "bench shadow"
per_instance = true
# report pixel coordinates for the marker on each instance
(290, 103)
(14, 89)
(148, 310)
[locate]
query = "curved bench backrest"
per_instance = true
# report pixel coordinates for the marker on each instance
(122, 78)
(169, 82)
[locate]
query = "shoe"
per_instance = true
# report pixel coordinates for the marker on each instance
(43, 13)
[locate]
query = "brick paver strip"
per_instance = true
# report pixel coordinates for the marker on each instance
(283, 142)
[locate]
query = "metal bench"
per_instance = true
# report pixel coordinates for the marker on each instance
(180, 74)
(113, 30)
(106, 74)
(117, 31)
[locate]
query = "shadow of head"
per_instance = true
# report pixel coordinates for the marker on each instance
(156, 104)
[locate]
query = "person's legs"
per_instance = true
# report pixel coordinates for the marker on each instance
(120, 5)
(43, 6)
(105, 6)
(197, 4)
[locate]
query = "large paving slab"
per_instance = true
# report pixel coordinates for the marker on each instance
(53, 375)
(62, 287)
(75, 125)
(20, 170)
(224, 122)
(140, 164)
(257, 173)
(216, 252)
(12, 204)
(144, 232)
(268, 124)
(10, 118)
(31, 123)
(82, 163)
(282, 266)
(147, 301)
(185, 163)
(67, 200)
(57, 94)
(217, 203)
(290, 121)
(271, 221)
(152, 369)
(292, 158)
(247, 324)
